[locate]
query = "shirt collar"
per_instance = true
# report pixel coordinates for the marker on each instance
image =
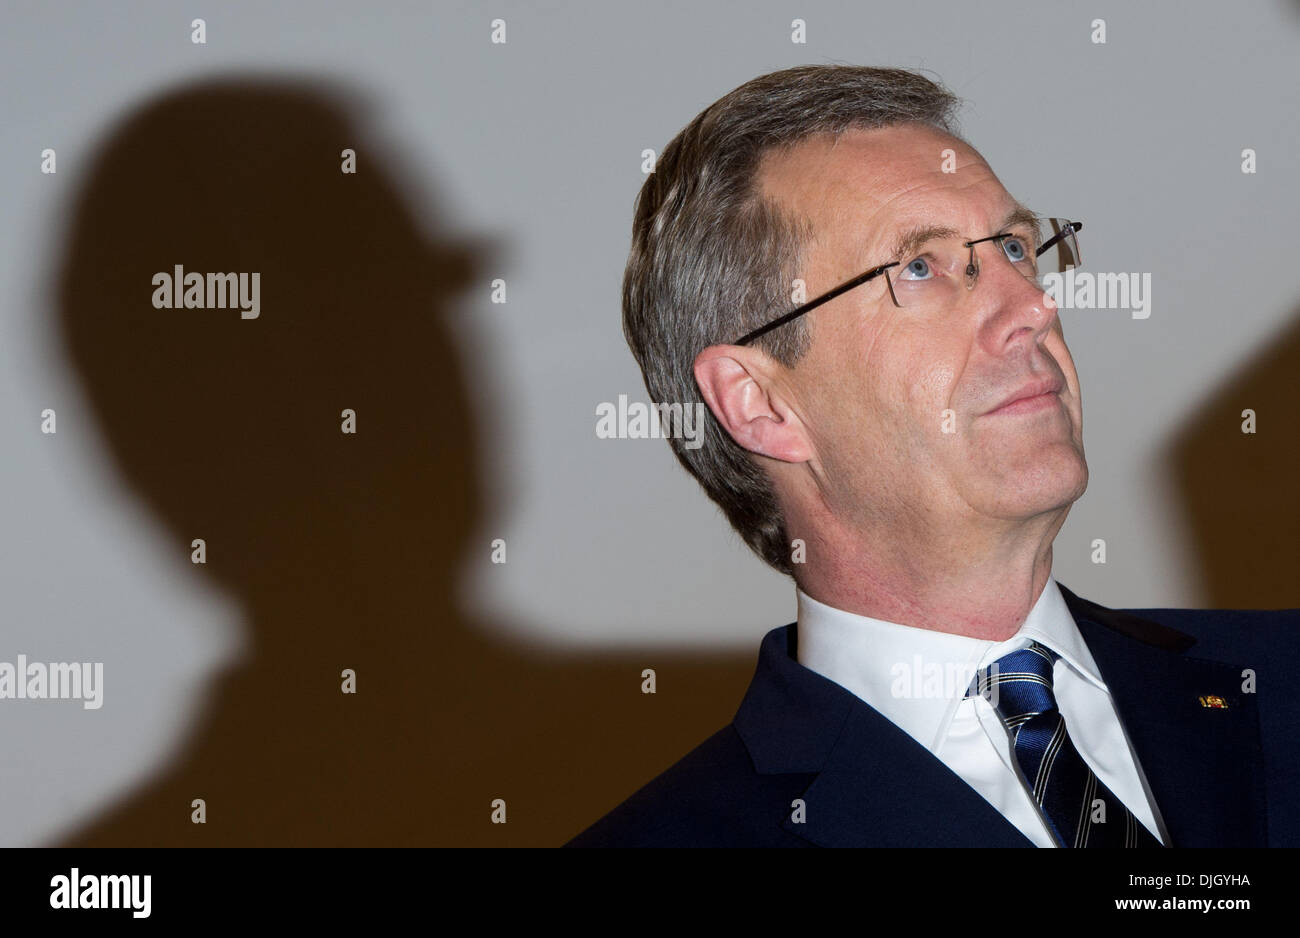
(917, 677)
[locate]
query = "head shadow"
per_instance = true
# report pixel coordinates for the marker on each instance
(324, 451)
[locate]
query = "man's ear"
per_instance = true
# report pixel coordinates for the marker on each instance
(737, 384)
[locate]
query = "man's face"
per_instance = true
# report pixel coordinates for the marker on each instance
(876, 386)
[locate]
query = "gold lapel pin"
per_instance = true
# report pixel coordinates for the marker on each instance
(1213, 702)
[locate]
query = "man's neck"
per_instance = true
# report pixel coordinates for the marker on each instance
(983, 588)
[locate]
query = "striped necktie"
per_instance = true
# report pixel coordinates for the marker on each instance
(1080, 811)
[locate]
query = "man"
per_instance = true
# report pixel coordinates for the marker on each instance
(906, 445)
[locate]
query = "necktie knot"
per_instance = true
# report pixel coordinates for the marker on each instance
(1019, 684)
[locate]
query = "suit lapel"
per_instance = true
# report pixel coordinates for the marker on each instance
(881, 788)
(1203, 764)
(874, 785)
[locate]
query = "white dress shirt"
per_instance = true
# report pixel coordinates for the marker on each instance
(918, 678)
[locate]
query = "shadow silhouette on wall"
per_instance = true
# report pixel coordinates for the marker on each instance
(1238, 490)
(343, 550)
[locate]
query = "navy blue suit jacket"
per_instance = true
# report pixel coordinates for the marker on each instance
(1220, 776)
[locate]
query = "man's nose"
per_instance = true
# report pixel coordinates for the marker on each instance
(1017, 305)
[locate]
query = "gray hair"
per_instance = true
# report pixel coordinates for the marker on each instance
(712, 258)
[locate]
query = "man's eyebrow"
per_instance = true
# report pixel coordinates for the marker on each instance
(911, 239)
(1019, 216)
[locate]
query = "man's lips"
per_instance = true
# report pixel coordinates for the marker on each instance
(1029, 397)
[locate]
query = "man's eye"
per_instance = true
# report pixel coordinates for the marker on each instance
(1016, 249)
(918, 269)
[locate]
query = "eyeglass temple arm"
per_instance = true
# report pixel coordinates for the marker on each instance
(1070, 228)
(814, 303)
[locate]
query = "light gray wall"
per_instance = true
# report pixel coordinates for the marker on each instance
(536, 144)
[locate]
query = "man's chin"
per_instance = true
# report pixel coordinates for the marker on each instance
(1047, 482)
